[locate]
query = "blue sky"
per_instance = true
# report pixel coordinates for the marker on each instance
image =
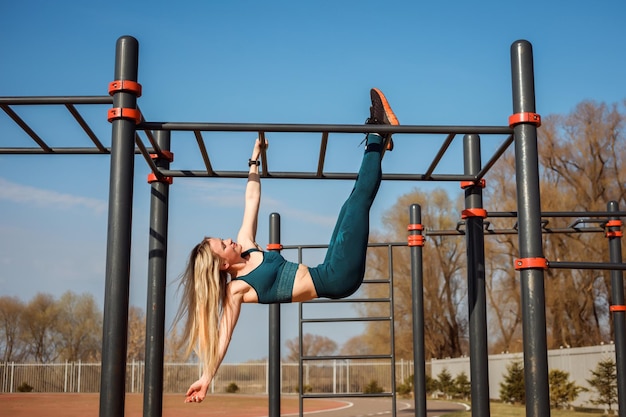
(265, 62)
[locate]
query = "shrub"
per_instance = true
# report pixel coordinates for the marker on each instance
(604, 381)
(232, 388)
(445, 383)
(512, 389)
(462, 386)
(306, 388)
(406, 387)
(24, 387)
(562, 391)
(373, 388)
(431, 384)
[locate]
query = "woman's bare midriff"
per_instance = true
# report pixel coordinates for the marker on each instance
(303, 288)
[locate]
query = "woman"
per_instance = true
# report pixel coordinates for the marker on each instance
(222, 274)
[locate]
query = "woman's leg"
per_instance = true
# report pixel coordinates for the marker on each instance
(343, 269)
(373, 142)
(344, 265)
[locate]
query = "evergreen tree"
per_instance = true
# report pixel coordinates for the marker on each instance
(562, 391)
(445, 383)
(512, 389)
(431, 384)
(463, 386)
(604, 381)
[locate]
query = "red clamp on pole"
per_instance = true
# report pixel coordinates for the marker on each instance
(613, 233)
(126, 86)
(474, 212)
(615, 308)
(416, 240)
(468, 184)
(167, 155)
(124, 113)
(525, 117)
(274, 246)
(153, 178)
(529, 263)
(416, 226)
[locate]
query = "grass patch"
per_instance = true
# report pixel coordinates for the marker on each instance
(508, 410)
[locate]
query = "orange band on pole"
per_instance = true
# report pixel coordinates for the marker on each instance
(525, 117)
(613, 233)
(274, 246)
(416, 240)
(153, 178)
(615, 308)
(124, 113)
(528, 263)
(468, 184)
(473, 212)
(169, 156)
(125, 85)
(415, 226)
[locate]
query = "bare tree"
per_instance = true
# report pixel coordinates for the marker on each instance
(174, 350)
(12, 346)
(39, 324)
(582, 169)
(501, 279)
(136, 334)
(445, 300)
(79, 327)
(313, 345)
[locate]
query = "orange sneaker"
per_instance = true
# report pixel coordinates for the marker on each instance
(381, 114)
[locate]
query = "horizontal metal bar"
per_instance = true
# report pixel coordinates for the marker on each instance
(348, 300)
(346, 357)
(314, 175)
(56, 100)
(587, 265)
(506, 214)
(58, 151)
(377, 281)
(346, 319)
(347, 395)
(316, 128)
(325, 245)
(514, 231)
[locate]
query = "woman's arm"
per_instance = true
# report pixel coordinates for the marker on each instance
(197, 391)
(247, 232)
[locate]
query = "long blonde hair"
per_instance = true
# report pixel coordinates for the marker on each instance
(202, 304)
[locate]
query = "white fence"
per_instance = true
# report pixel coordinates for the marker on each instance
(333, 376)
(578, 362)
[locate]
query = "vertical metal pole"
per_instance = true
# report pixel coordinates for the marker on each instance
(301, 381)
(475, 247)
(392, 331)
(115, 324)
(530, 241)
(274, 329)
(619, 315)
(157, 281)
(417, 284)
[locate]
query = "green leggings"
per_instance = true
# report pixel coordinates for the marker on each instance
(342, 271)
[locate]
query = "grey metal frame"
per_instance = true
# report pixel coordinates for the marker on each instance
(126, 143)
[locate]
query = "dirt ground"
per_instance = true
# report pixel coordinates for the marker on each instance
(88, 405)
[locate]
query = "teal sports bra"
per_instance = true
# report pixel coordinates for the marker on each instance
(273, 279)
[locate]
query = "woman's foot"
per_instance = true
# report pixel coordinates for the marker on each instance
(381, 114)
